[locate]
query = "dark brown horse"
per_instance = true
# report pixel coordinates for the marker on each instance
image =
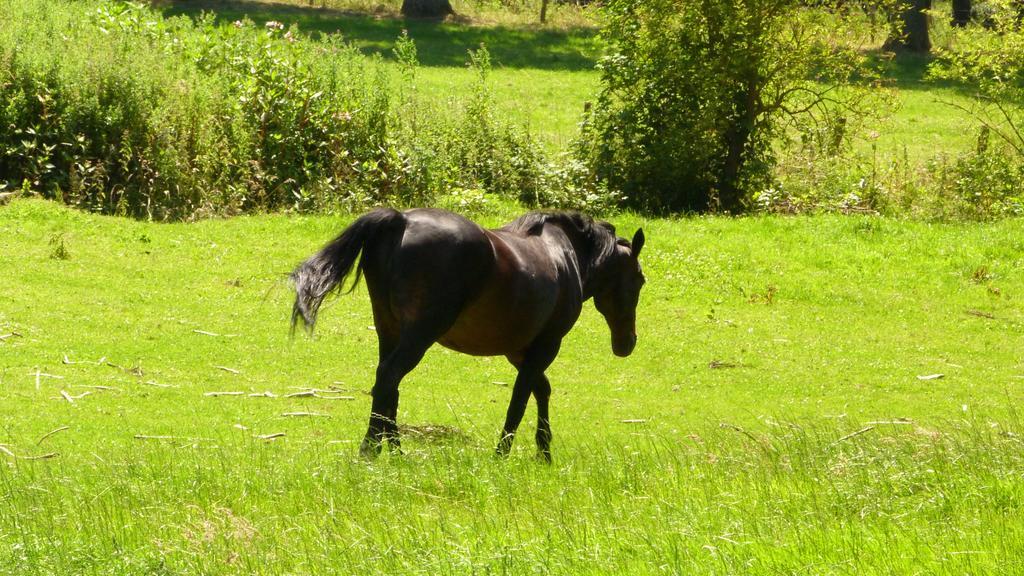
(434, 276)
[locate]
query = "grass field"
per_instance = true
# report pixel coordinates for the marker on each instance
(772, 420)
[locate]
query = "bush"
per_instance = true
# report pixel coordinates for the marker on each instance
(980, 184)
(988, 62)
(113, 108)
(695, 95)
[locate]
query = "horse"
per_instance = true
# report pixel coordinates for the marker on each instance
(516, 291)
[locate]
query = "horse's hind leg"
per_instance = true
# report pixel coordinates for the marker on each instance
(414, 337)
(387, 341)
(405, 355)
(397, 357)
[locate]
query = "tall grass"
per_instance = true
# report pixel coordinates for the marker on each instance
(790, 501)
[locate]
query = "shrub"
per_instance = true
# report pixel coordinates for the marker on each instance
(113, 108)
(695, 95)
(979, 184)
(988, 62)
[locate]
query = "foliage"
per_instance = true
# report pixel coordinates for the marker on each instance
(166, 118)
(124, 111)
(980, 184)
(977, 183)
(695, 94)
(989, 62)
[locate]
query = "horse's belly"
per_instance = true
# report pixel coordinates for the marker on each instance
(488, 331)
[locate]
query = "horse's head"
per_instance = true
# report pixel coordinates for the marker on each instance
(618, 292)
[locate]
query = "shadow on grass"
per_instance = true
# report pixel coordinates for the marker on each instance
(909, 71)
(438, 43)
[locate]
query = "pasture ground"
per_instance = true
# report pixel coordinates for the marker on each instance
(772, 419)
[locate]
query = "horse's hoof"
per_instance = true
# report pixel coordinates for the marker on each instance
(504, 446)
(369, 449)
(394, 445)
(544, 456)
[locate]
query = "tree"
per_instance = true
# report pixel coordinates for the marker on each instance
(695, 94)
(911, 31)
(961, 13)
(427, 8)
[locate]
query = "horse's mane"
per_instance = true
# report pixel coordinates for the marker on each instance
(593, 240)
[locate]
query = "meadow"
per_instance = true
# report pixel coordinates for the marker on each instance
(782, 413)
(811, 394)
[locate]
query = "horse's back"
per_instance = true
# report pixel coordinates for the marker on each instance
(494, 291)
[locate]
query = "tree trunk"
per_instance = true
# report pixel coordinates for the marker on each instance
(737, 141)
(544, 11)
(961, 13)
(426, 8)
(914, 28)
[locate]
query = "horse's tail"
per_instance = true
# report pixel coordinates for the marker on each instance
(324, 271)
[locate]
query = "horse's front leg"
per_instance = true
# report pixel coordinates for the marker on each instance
(530, 379)
(541, 393)
(516, 408)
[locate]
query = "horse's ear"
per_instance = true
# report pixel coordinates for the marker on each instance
(638, 242)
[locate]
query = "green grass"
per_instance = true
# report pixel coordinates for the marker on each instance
(820, 325)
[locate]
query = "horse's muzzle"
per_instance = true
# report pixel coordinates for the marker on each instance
(623, 347)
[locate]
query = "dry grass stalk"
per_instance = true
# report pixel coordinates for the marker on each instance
(316, 393)
(863, 430)
(46, 456)
(161, 437)
(67, 397)
(39, 375)
(51, 433)
(302, 394)
(223, 393)
(99, 362)
(8, 452)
